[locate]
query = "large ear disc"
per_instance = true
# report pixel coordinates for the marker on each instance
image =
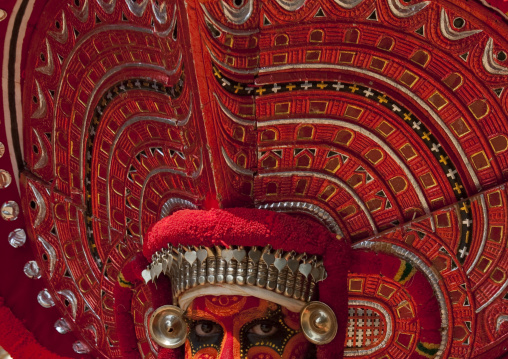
(168, 327)
(319, 323)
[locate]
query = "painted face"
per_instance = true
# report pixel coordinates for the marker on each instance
(234, 327)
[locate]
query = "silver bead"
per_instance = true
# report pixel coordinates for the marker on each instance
(10, 211)
(211, 262)
(45, 299)
(62, 326)
(17, 237)
(5, 179)
(32, 270)
(80, 347)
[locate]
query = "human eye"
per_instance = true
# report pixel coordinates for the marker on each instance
(207, 328)
(204, 334)
(269, 331)
(264, 329)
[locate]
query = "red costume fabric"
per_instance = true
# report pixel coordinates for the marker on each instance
(384, 120)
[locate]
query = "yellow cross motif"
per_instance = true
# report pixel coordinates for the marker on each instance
(382, 99)
(322, 85)
(260, 90)
(290, 87)
(465, 207)
(467, 236)
(458, 188)
(353, 88)
(407, 116)
(238, 87)
(426, 136)
(444, 159)
(216, 73)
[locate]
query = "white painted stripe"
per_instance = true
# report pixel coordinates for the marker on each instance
(17, 79)
(484, 237)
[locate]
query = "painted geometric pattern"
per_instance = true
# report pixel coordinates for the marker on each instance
(384, 119)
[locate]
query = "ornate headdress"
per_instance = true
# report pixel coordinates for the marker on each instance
(386, 119)
(251, 252)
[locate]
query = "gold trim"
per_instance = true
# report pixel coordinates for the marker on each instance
(285, 55)
(464, 123)
(354, 108)
(499, 151)
(500, 197)
(314, 32)
(490, 231)
(378, 292)
(410, 85)
(498, 281)
(357, 280)
(487, 267)
(278, 111)
(353, 56)
(311, 52)
(447, 218)
(484, 157)
(385, 62)
(436, 93)
(402, 345)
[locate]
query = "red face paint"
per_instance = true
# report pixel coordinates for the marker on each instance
(232, 327)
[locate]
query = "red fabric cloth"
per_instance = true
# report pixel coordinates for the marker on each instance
(254, 227)
(18, 341)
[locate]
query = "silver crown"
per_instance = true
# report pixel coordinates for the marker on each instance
(288, 273)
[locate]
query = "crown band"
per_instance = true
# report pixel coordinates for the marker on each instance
(289, 274)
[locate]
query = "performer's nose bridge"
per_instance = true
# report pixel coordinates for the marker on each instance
(227, 350)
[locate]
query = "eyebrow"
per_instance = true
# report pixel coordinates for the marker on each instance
(265, 313)
(199, 315)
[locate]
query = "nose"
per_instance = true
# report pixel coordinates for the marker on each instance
(227, 351)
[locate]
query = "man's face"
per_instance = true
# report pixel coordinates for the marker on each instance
(232, 327)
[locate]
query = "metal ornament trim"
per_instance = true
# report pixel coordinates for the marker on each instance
(319, 323)
(293, 275)
(167, 326)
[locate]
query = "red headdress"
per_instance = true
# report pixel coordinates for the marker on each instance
(254, 228)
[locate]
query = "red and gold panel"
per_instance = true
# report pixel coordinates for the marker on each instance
(383, 119)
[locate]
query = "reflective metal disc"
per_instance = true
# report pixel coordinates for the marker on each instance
(2, 149)
(5, 179)
(17, 237)
(45, 299)
(80, 347)
(319, 323)
(10, 211)
(167, 326)
(62, 326)
(3, 16)
(32, 270)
